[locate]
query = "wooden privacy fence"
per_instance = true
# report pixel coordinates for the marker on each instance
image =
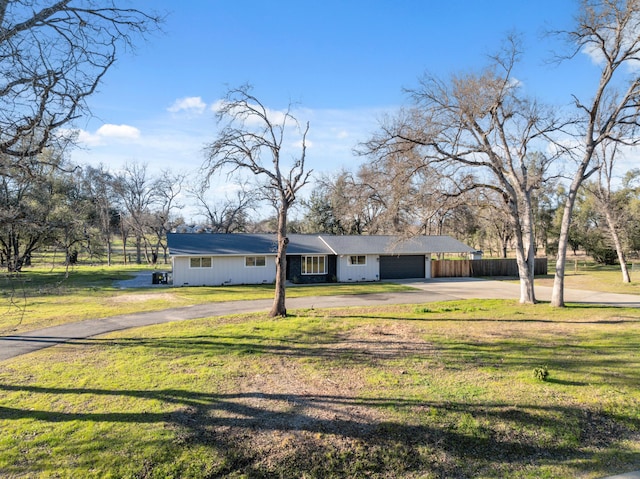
(481, 267)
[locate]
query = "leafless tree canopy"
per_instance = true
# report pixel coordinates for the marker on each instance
(53, 55)
(609, 31)
(478, 131)
(252, 141)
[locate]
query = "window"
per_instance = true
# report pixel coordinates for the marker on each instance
(314, 265)
(251, 261)
(358, 260)
(200, 262)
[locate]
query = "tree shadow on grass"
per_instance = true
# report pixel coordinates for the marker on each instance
(344, 435)
(602, 363)
(404, 443)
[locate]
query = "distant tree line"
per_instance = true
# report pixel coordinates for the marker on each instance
(50, 205)
(82, 211)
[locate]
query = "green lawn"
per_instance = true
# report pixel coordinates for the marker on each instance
(595, 277)
(438, 390)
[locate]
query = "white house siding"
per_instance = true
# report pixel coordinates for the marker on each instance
(223, 270)
(351, 273)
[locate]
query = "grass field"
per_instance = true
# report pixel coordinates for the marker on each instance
(436, 390)
(439, 390)
(585, 275)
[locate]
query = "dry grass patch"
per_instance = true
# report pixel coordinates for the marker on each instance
(142, 297)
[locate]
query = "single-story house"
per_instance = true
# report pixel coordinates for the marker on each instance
(219, 259)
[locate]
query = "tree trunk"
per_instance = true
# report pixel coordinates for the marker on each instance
(279, 307)
(124, 245)
(557, 294)
(626, 278)
(525, 252)
(138, 250)
(108, 251)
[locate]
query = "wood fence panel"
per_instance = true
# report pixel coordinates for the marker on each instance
(451, 268)
(482, 267)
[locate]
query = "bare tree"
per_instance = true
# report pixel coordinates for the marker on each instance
(167, 187)
(229, 215)
(53, 55)
(345, 203)
(609, 31)
(407, 196)
(479, 131)
(139, 196)
(252, 141)
(98, 187)
(606, 201)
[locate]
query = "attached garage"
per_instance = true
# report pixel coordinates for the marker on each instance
(402, 267)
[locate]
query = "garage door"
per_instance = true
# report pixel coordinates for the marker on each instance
(399, 267)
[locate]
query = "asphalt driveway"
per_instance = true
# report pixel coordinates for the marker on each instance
(441, 289)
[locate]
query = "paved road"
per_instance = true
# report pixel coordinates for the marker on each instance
(426, 291)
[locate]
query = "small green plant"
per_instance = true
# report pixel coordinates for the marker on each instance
(541, 373)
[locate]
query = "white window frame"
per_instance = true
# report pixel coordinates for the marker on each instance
(313, 257)
(208, 259)
(262, 258)
(357, 257)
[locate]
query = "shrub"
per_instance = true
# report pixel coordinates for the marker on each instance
(541, 373)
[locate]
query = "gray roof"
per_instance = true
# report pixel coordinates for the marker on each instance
(239, 244)
(189, 244)
(394, 245)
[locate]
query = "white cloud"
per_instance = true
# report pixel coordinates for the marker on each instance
(109, 131)
(594, 53)
(191, 104)
(122, 132)
(217, 106)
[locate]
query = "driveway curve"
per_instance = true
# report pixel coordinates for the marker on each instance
(441, 289)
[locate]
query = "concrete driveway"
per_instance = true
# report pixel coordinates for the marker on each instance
(442, 289)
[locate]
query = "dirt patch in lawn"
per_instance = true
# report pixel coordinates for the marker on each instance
(141, 297)
(309, 409)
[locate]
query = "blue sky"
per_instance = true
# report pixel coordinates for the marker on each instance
(344, 63)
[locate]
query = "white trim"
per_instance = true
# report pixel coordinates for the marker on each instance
(351, 256)
(255, 257)
(327, 245)
(303, 260)
(200, 258)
